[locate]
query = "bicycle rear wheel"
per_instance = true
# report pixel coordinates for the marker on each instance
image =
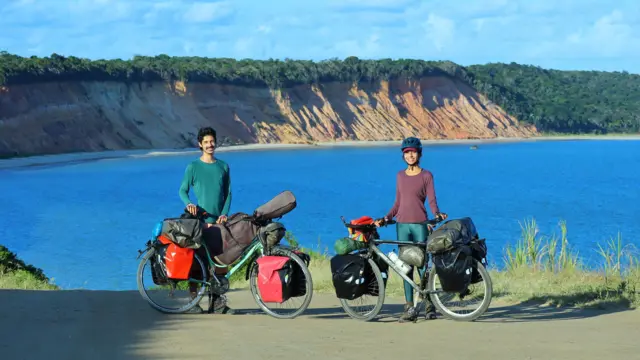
(446, 301)
(278, 311)
(166, 295)
(374, 287)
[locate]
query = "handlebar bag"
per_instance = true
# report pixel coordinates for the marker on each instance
(358, 235)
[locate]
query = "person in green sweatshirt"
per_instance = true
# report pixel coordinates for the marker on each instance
(210, 180)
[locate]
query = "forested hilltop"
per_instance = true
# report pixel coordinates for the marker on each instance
(555, 101)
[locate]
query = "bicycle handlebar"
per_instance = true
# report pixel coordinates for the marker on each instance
(384, 222)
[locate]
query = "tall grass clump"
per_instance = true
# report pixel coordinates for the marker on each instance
(615, 255)
(546, 269)
(539, 252)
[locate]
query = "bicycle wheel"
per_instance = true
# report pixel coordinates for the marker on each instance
(376, 286)
(441, 299)
(306, 298)
(175, 292)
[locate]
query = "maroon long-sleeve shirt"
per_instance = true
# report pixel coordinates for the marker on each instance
(411, 193)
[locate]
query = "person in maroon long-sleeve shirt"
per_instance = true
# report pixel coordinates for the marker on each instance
(414, 186)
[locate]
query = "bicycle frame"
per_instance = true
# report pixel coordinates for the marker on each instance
(248, 253)
(385, 258)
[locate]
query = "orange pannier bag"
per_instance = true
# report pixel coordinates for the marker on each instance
(177, 260)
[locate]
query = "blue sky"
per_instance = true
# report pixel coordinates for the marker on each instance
(561, 34)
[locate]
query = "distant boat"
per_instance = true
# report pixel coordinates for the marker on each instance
(474, 147)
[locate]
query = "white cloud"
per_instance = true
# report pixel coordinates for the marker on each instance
(369, 48)
(440, 31)
(211, 47)
(265, 29)
(207, 11)
(371, 3)
(243, 46)
(610, 35)
(188, 47)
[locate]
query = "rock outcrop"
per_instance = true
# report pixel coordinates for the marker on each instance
(60, 117)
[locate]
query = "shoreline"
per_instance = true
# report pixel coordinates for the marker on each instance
(70, 158)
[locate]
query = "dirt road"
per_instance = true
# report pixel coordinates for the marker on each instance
(120, 325)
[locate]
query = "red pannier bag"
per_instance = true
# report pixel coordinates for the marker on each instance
(274, 278)
(177, 260)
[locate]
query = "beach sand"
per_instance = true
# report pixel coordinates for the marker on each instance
(116, 154)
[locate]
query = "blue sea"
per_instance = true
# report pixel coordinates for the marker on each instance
(83, 223)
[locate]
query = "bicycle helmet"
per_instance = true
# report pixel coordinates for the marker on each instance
(411, 143)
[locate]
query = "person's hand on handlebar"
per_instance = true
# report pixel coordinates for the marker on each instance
(221, 219)
(192, 209)
(380, 222)
(441, 216)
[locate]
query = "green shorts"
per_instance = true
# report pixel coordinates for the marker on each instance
(414, 232)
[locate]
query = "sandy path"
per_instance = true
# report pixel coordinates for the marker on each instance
(116, 154)
(120, 325)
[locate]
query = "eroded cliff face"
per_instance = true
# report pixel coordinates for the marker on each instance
(61, 117)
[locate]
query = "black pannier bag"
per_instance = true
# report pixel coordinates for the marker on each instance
(184, 232)
(158, 272)
(454, 269)
(451, 235)
(371, 289)
(298, 280)
(280, 205)
(478, 252)
(348, 276)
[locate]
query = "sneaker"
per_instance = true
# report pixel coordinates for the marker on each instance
(220, 307)
(195, 310)
(223, 310)
(409, 314)
(430, 312)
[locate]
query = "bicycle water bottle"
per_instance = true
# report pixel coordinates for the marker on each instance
(157, 230)
(399, 263)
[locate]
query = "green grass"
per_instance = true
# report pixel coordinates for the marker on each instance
(540, 269)
(545, 269)
(15, 274)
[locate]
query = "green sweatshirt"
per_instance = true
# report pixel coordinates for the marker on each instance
(211, 184)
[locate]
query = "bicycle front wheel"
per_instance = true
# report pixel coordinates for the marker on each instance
(468, 305)
(167, 295)
(302, 292)
(375, 289)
